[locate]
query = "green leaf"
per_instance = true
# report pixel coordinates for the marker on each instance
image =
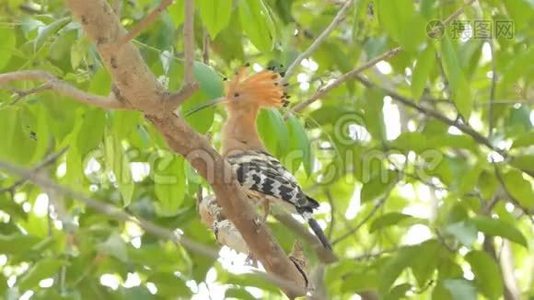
(373, 116)
(487, 274)
(464, 232)
(398, 291)
(523, 162)
(215, 14)
(200, 120)
(16, 243)
(400, 21)
(18, 141)
(100, 82)
(378, 187)
(170, 285)
(92, 130)
(117, 162)
(257, 23)
(44, 32)
(299, 146)
(520, 188)
(114, 246)
(422, 71)
(273, 131)
(428, 259)
(500, 228)
(394, 267)
(169, 184)
(229, 43)
(7, 45)
(210, 82)
(238, 293)
(359, 280)
(35, 126)
(122, 171)
(460, 289)
(524, 140)
(177, 13)
(461, 94)
(388, 219)
(42, 269)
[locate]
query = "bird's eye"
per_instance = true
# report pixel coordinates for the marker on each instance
(236, 95)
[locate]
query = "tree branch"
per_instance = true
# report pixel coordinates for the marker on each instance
(340, 80)
(190, 85)
(376, 207)
(189, 41)
(140, 87)
(466, 129)
(61, 87)
(120, 215)
(106, 209)
(319, 40)
(50, 159)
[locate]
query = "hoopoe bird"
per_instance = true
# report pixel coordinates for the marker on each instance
(262, 176)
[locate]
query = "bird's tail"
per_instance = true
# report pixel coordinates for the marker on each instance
(318, 231)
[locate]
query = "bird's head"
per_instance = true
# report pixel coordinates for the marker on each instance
(245, 93)
(262, 89)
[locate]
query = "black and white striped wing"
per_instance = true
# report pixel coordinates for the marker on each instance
(263, 173)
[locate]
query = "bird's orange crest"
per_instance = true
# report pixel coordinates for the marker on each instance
(264, 88)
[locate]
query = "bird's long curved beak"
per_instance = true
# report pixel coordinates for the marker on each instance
(205, 105)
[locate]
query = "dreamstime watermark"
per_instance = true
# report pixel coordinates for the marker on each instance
(348, 156)
(472, 29)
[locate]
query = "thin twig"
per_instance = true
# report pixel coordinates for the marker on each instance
(362, 222)
(340, 80)
(384, 56)
(318, 41)
(120, 215)
(147, 21)
(432, 113)
(368, 256)
(50, 159)
(457, 13)
(23, 93)
(62, 87)
(189, 41)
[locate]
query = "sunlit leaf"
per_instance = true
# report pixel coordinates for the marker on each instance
(460, 289)
(299, 145)
(273, 131)
(257, 23)
(461, 95)
(169, 184)
(520, 188)
(42, 269)
(7, 45)
(487, 274)
(215, 14)
(500, 228)
(421, 72)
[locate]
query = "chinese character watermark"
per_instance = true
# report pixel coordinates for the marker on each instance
(472, 29)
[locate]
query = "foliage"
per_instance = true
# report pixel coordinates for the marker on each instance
(415, 206)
